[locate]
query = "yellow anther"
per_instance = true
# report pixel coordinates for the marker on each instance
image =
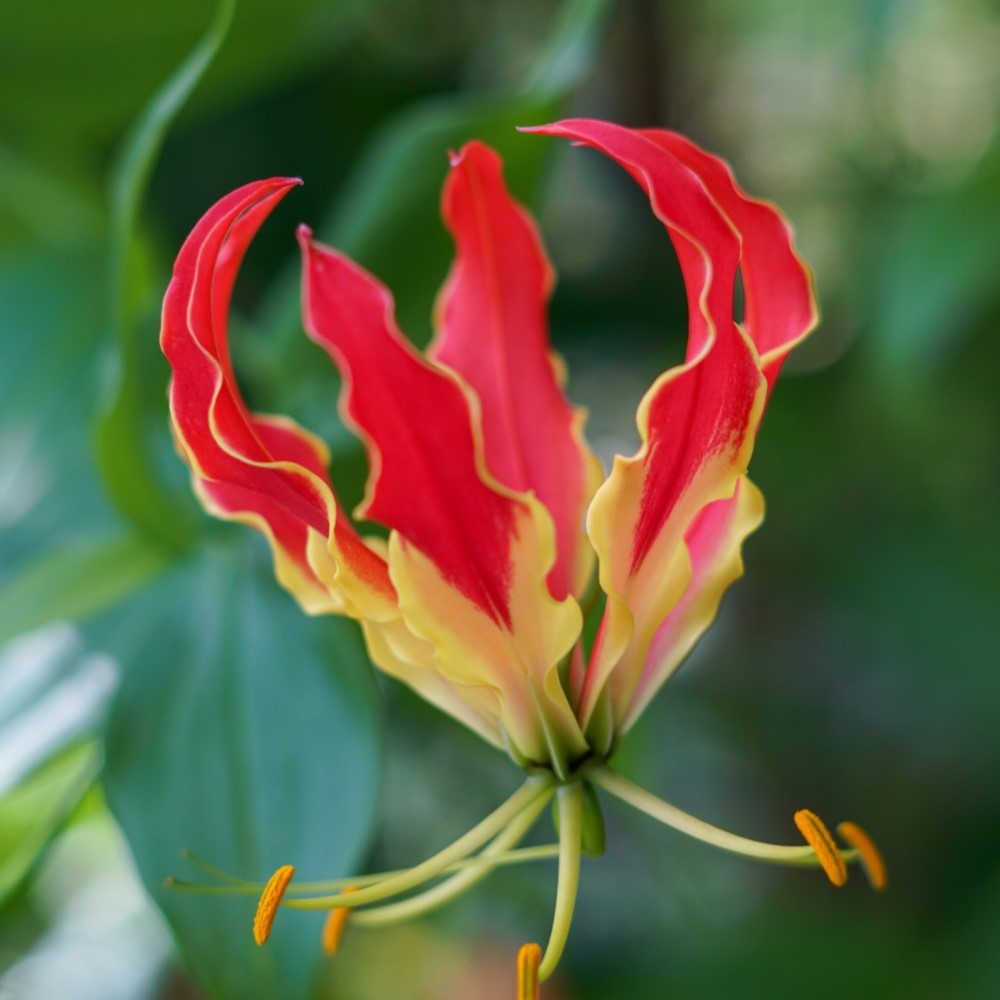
(868, 854)
(528, 960)
(333, 929)
(819, 838)
(270, 900)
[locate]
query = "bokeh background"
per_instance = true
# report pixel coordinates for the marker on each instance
(158, 692)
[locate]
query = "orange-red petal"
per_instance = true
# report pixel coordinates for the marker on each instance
(468, 556)
(493, 331)
(697, 422)
(266, 471)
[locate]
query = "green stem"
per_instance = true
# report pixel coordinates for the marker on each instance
(570, 841)
(533, 789)
(476, 869)
(670, 815)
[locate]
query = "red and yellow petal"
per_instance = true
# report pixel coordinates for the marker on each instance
(780, 306)
(697, 423)
(493, 331)
(265, 471)
(468, 557)
(396, 651)
(713, 550)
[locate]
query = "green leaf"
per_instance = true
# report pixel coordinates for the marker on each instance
(42, 204)
(33, 812)
(936, 274)
(48, 386)
(75, 581)
(123, 452)
(71, 72)
(249, 734)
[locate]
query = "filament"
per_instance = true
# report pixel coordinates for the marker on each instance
(670, 815)
(529, 792)
(474, 870)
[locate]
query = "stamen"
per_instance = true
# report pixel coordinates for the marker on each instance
(471, 872)
(819, 838)
(528, 960)
(357, 882)
(671, 816)
(533, 789)
(333, 929)
(868, 854)
(270, 900)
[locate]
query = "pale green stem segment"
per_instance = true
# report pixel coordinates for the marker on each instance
(570, 842)
(532, 790)
(645, 802)
(501, 859)
(475, 870)
(210, 869)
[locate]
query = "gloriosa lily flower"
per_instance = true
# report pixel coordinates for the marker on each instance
(480, 471)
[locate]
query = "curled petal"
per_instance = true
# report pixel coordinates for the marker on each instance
(493, 331)
(697, 423)
(779, 303)
(468, 556)
(265, 471)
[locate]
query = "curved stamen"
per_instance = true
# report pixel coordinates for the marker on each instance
(528, 959)
(870, 856)
(670, 815)
(570, 843)
(501, 859)
(270, 900)
(821, 841)
(475, 870)
(529, 792)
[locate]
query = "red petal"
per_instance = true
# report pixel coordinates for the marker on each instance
(494, 333)
(780, 307)
(415, 420)
(697, 422)
(265, 468)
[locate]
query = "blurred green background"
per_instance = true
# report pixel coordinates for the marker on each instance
(155, 683)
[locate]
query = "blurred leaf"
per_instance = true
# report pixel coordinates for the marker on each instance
(54, 689)
(121, 50)
(33, 813)
(388, 215)
(249, 734)
(937, 270)
(43, 204)
(75, 582)
(48, 386)
(123, 452)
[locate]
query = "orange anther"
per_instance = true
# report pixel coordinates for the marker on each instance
(528, 960)
(819, 838)
(868, 854)
(333, 929)
(270, 900)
